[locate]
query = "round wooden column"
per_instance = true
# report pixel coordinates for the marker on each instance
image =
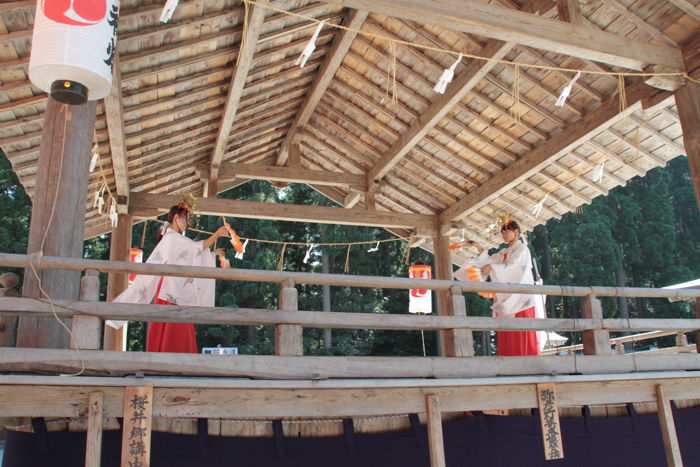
(58, 214)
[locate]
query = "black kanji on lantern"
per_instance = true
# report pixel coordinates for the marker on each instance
(112, 45)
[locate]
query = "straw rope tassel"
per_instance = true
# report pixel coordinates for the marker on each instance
(346, 270)
(622, 92)
(246, 8)
(515, 108)
(280, 261)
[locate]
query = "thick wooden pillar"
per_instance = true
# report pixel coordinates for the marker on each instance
(443, 270)
(115, 339)
(58, 214)
(688, 103)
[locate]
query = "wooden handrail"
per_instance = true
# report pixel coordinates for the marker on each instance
(254, 275)
(335, 320)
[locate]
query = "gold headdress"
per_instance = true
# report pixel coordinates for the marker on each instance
(189, 202)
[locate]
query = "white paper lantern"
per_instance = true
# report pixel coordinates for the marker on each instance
(74, 47)
(420, 301)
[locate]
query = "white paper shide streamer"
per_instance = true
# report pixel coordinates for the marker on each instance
(310, 47)
(168, 11)
(567, 90)
(113, 216)
(446, 77)
(240, 255)
(598, 173)
(374, 249)
(537, 208)
(93, 159)
(307, 256)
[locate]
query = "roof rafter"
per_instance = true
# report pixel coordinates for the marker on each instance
(474, 72)
(334, 59)
(244, 62)
(573, 136)
(114, 116)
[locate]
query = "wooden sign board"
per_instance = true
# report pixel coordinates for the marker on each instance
(549, 420)
(138, 419)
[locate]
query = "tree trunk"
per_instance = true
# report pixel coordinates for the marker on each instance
(621, 279)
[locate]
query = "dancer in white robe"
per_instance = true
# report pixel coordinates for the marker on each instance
(174, 248)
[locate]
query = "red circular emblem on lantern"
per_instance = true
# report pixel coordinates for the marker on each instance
(75, 12)
(419, 271)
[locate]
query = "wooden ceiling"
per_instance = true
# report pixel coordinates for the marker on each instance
(194, 95)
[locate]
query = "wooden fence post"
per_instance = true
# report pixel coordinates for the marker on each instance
(86, 331)
(288, 337)
(697, 333)
(594, 342)
(668, 429)
(436, 445)
(93, 448)
(463, 338)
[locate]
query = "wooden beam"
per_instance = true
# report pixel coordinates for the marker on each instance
(688, 104)
(93, 448)
(114, 117)
(436, 444)
(506, 24)
(668, 429)
(340, 320)
(61, 361)
(141, 202)
(229, 171)
(557, 146)
(474, 72)
(244, 62)
(56, 396)
(352, 199)
(687, 8)
(334, 58)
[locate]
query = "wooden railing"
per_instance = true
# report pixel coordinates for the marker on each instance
(88, 315)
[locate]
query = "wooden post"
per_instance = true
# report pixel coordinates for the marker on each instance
(370, 201)
(463, 338)
(86, 330)
(93, 449)
(668, 429)
(58, 214)
(288, 337)
(436, 444)
(697, 333)
(688, 103)
(120, 244)
(594, 342)
(443, 270)
(138, 420)
(549, 421)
